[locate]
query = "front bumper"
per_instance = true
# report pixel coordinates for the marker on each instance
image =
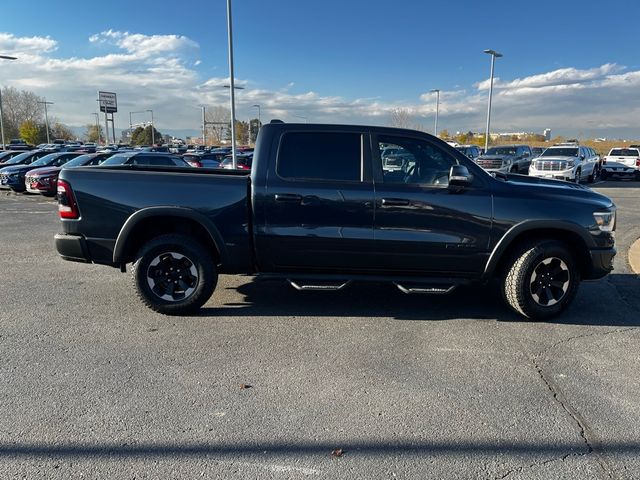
(601, 263)
(554, 175)
(72, 248)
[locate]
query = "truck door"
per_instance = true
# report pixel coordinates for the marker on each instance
(318, 203)
(422, 226)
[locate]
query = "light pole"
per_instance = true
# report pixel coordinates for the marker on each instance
(257, 105)
(232, 92)
(232, 89)
(437, 92)
(494, 55)
(4, 57)
(306, 119)
(46, 117)
(204, 127)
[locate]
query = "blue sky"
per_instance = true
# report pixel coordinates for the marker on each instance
(567, 65)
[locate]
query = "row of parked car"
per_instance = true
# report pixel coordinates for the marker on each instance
(36, 171)
(565, 161)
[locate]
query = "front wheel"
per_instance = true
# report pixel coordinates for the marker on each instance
(542, 280)
(578, 175)
(174, 274)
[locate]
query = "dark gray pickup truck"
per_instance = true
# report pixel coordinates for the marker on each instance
(321, 209)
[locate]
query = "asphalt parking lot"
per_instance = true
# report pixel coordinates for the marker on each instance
(94, 385)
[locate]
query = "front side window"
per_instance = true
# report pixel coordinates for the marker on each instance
(321, 156)
(421, 163)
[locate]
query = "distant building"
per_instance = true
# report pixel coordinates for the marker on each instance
(547, 134)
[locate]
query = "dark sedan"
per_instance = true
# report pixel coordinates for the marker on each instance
(44, 179)
(13, 177)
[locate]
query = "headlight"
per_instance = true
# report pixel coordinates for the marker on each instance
(606, 221)
(507, 163)
(571, 163)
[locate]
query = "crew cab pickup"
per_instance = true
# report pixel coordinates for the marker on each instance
(320, 209)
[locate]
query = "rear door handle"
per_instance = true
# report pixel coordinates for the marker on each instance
(288, 197)
(395, 202)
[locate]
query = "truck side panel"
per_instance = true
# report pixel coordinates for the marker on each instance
(108, 197)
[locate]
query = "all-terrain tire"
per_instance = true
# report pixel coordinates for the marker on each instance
(174, 274)
(524, 285)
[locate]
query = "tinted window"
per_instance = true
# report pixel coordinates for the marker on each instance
(321, 156)
(560, 152)
(422, 162)
(624, 152)
(501, 151)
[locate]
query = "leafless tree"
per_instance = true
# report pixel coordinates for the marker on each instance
(401, 118)
(220, 117)
(18, 107)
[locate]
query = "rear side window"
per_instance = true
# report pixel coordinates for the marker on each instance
(321, 156)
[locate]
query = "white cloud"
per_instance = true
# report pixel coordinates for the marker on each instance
(159, 72)
(17, 46)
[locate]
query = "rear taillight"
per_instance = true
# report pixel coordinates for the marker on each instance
(194, 163)
(604, 161)
(67, 206)
(638, 162)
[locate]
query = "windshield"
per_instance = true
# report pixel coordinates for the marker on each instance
(116, 160)
(46, 160)
(17, 159)
(560, 152)
(78, 161)
(501, 151)
(624, 152)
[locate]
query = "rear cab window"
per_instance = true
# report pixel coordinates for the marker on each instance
(321, 156)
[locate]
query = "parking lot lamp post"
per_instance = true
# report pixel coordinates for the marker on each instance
(232, 90)
(4, 57)
(46, 117)
(204, 127)
(494, 55)
(437, 92)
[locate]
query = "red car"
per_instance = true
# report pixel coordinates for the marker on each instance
(44, 180)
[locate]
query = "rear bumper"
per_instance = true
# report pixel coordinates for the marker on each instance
(601, 263)
(72, 248)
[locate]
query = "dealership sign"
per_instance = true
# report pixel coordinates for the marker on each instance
(108, 102)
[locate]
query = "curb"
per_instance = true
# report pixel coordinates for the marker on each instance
(634, 256)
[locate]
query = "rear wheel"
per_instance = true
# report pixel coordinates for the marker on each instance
(174, 274)
(637, 176)
(592, 178)
(542, 279)
(604, 175)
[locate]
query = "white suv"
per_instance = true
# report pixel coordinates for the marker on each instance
(569, 162)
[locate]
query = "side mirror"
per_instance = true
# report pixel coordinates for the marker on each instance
(581, 157)
(459, 176)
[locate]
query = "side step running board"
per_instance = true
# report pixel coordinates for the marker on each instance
(318, 286)
(426, 289)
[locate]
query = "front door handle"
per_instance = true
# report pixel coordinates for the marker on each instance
(395, 202)
(288, 197)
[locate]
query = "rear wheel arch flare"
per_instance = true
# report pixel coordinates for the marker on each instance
(152, 222)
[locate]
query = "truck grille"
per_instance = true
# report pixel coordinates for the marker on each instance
(490, 163)
(550, 165)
